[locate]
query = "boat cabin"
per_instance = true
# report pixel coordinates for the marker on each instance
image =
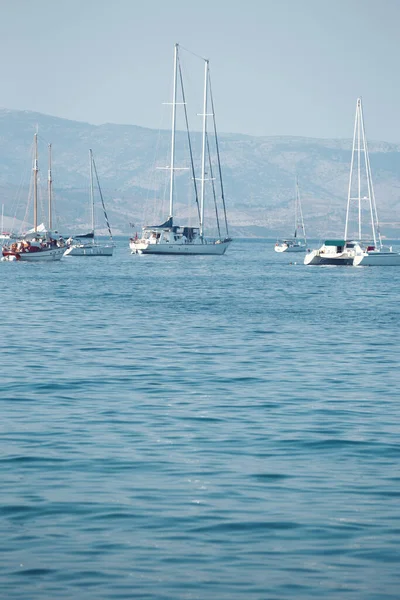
(170, 235)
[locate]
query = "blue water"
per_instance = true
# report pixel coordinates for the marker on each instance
(199, 428)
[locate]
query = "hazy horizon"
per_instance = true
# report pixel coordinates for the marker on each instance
(166, 128)
(278, 69)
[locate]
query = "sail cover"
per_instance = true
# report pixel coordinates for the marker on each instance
(167, 225)
(89, 235)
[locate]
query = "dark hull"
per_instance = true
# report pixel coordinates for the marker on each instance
(336, 261)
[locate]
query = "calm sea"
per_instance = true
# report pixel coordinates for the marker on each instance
(211, 428)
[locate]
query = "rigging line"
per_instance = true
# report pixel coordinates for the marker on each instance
(18, 195)
(30, 193)
(102, 199)
(213, 186)
(153, 183)
(189, 141)
(192, 53)
(43, 139)
(218, 154)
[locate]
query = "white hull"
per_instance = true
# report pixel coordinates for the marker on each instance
(285, 248)
(50, 254)
(179, 249)
(379, 259)
(88, 250)
(315, 258)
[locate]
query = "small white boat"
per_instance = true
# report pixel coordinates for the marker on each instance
(363, 249)
(291, 245)
(86, 244)
(91, 249)
(39, 243)
(169, 238)
(295, 244)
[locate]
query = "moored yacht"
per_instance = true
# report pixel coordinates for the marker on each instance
(291, 245)
(169, 237)
(360, 249)
(380, 257)
(334, 252)
(39, 243)
(295, 244)
(86, 244)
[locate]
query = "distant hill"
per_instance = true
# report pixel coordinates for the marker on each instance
(259, 175)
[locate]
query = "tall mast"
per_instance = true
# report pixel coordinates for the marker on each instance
(91, 187)
(300, 211)
(349, 198)
(360, 146)
(35, 178)
(296, 201)
(203, 154)
(2, 218)
(172, 166)
(49, 188)
(370, 186)
(359, 166)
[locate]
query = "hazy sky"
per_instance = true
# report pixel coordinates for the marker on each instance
(280, 67)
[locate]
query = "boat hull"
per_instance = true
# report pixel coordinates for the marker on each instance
(89, 251)
(314, 258)
(50, 254)
(379, 259)
(216, 249)
(284, 248)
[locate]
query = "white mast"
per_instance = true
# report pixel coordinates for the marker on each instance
(172, 166)
(359, 166)
(91, 187)
(360, 142)
(296, 201)
(35, 177)
(203, 154)
(49, 188)
(351, 173)
(300, 211)
(371, 193)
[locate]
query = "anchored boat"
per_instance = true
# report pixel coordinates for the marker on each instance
(169, 237)
(334, 252)
(39, 243)
(295, 244)
(361, 249)
(86, 244)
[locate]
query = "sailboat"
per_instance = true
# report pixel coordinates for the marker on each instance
(170, 238)
(86, 244)
(295, 244)
(364, 249)
(39, 243)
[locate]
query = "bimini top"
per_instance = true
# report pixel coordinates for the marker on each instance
(335, 242)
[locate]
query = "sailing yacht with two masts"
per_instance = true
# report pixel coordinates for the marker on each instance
(363, 249)
(295, 244)
(39, 243)
(86, 244)
(169, 238)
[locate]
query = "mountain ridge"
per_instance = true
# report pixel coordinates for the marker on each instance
(259, 174)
